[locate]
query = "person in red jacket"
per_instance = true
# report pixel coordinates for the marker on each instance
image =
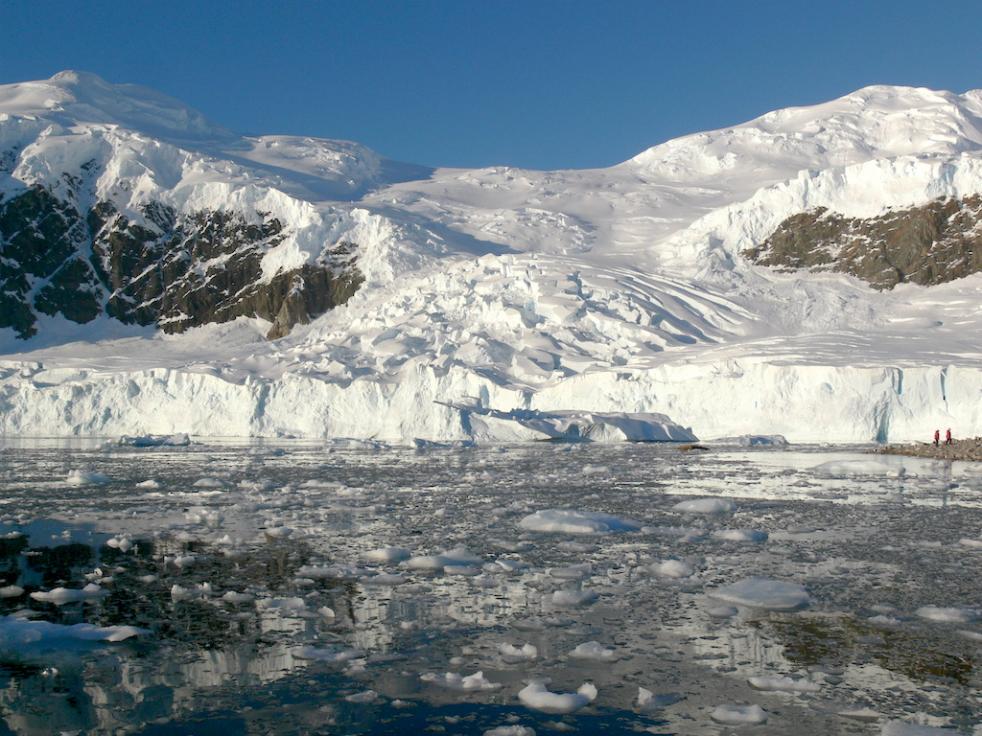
(937, 437)
(947, 436)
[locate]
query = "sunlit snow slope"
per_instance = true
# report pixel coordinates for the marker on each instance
(619, 290)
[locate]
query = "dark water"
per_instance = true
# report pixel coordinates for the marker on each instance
(284, 529)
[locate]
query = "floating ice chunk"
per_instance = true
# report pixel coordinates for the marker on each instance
(593, 650)
(155, 440)
(285, 606)
(970, 542)
(536, 697)
(570, 598)
(892, 467)
(454, 681)
(572, 572)
(86, 478)
(278, 532)
(150, 483)
(773, 595)
(517, 654)
(366, 696)
(649, 701)
(672, 569)
(384, 579)
(514, 730)
(123, 544)
(61, 596)
(883, 620)
(11, 591)
(753, 440)
(329, 655)
(457, 557)
(208, 483)
(951, 615)
(18, 632)
(326, 612)
(565, 521)
(234, 597)
(705, 506)
(721, 611)
(506, 565)
(784, 684)
(740, 535)
(388, 554)
(462, 570)
(900, 728)
(738, 714)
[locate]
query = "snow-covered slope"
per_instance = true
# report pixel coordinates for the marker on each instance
(605, 291)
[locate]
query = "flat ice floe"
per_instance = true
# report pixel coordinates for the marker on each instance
(900, 728)
(17, 632)
(705, 506)
(388, 554)
(513, 730)
(772, 595)
(86, 478)
(738, 714)
(537, 697)
(949, 615)
(565, 521)
(570, 598)
(672, 569)
(61, 596)
(511, 653)
(785, 684)
(456, 681)
(457, 557)
(740, 535)
(593, 650)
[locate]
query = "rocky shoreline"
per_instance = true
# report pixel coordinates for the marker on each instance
(970, 449)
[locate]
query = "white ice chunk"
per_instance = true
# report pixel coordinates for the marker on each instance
(514, 730)
(774, 595)
(536, 697)
(11, 591)
(738, 714)
(740, 535)
(573, 597)
(900, 728)
(17, 632)
(565, 521)
(783, 684)
(454, 681)
(87, 477)
(593, 650)
(512, 653)
(672, 569)
(951, 615)
(388, 554)
(61, 596)
(705, 506)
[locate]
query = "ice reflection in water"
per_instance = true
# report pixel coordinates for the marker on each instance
(314, 638)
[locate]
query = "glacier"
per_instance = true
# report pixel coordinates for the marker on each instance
(494, 293)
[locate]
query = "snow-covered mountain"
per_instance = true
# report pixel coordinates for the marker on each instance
(811, 273)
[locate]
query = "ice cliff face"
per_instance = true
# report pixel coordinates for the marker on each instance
(722, 279)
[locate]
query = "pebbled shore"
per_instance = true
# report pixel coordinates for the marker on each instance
(970, 449)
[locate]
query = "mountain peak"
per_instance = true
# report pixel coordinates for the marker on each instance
(72, 96)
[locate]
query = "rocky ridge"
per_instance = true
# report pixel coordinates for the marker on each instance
(930, 244)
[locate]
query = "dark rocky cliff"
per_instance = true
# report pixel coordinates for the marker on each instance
(930, 244)
(173, 271)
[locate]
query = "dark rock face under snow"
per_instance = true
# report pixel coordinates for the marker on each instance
(931, 244)
(172, 271)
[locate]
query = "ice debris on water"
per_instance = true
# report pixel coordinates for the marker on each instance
(765, 593)
(17, 632)
(511, 653)
(593, 650)
(455, 681)
(565, 521)
(536, 697)
(87, 477)
(155, 440)
(705, 506)
(738, 714)
(948, 615)
(782, 683)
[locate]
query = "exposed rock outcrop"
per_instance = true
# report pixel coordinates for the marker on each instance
(174, 271)
(930, 244)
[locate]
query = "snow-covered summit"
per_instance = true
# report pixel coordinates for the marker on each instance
(604, 291)
(75, 97)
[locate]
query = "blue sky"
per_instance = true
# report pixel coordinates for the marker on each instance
(535, 84)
